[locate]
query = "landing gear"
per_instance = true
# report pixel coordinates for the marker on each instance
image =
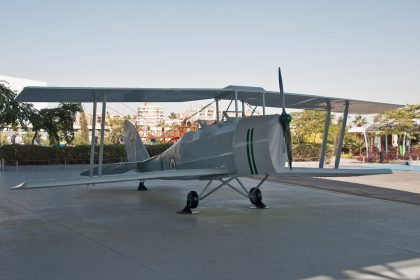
(192, 202)
(142, 187)
(255, 197)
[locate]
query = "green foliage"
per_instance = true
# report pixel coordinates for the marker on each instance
(157, 149)
(116, 129)
(84, 130)
(400, 121)
(78, 139)
(360, 121)
(310, 151)
(353, 143)
(3, 139)
(307, 125)
(13, 113)
(57, 122)
(27, 137)
(80, 154)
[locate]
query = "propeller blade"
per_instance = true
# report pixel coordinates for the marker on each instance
(282, 91)
(285, 120)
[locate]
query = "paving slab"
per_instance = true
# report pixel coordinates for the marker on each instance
(111, 231)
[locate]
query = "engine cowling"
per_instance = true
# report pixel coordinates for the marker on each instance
(258, 146)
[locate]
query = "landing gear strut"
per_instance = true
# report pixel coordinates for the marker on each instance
(142, 187)
(192, 202)
(255, 197)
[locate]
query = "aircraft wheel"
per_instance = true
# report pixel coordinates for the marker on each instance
(192, 200)
(255, 196)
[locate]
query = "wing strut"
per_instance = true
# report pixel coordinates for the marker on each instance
(343, 131)
(101, 148)
(325, 136)
(92, 142)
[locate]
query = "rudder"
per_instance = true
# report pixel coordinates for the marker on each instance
(134, 146)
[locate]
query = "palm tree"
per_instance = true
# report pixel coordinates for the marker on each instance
(360, 121)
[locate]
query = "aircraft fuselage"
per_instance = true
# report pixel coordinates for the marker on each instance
(249, 146)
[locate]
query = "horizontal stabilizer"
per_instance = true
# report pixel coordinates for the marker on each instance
(330, 172)
(187, 174)
(114, 168)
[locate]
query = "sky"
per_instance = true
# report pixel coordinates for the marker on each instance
(368, 50)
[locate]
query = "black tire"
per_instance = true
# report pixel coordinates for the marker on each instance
(255, 196)
(192, 200)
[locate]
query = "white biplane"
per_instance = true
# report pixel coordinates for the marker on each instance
(234, 146)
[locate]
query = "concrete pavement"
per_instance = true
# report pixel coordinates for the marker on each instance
(114, 232)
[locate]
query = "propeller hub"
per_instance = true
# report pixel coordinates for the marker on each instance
(285, 119)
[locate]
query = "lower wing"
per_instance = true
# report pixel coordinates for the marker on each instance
(329, 172)
(186, 174)
(191, 174)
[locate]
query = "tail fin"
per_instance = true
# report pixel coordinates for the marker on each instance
(134, 146)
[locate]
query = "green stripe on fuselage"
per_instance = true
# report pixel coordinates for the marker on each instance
(247, 152)
(252, 151)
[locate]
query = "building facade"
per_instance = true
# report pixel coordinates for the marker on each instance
(149, 115)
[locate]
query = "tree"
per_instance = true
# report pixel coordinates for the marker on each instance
(173, 116)
(360, 121)
(307, 124)
(353, 142)
(401, 122)
(57, 122)
(116, 129)
(13, 113)
(84, 128)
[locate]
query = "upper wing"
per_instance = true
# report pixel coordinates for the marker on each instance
(169, 174)
(250, 95)
(330, 172)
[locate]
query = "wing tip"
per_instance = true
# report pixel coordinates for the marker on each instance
(19, 187)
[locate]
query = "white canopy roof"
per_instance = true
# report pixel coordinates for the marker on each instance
(251, 95)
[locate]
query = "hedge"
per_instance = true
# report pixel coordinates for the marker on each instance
(41, 155)
(311, 152)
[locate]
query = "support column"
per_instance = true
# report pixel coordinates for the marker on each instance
(325, 136)
(236, 106)
(92, 142)
(263, 103)
(101, 148)
(343, 131)
(217, 111)
(243, 109)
